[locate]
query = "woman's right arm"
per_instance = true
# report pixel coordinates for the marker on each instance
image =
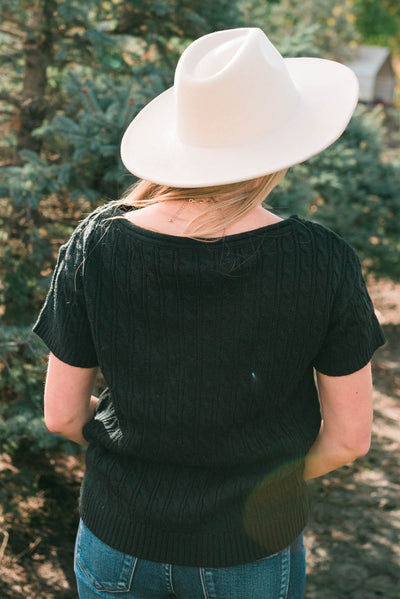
(345, 434)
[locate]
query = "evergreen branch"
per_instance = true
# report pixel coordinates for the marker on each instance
(9, 16)
(128, 112)
(12, 32)
(4, 97)
(17, 343)
(74, 37)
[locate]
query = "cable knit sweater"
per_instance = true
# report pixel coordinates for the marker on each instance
(196, 451)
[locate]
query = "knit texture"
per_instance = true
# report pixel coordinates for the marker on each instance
(196, 451)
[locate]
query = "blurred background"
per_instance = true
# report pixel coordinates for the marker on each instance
(72, 76)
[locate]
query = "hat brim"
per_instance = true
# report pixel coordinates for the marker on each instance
(328, 95)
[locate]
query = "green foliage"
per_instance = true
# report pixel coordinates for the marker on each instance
(24, 251)
(163, 19)
(80, 73)
(305, 27)
(87, 134)
(351, 189)
(22, 367)
(378, 21)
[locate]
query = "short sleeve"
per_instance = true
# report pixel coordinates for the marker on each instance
(63, 323)
(353, 332)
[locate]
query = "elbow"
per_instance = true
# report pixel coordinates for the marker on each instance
(364, 447)
(352, 441)
(52, 426)
(56, 425)
(358, 447)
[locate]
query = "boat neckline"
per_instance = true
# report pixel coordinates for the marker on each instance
(243, 235)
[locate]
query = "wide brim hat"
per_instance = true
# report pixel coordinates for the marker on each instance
(238, 111)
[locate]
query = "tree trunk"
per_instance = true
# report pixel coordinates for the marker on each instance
(37, 50)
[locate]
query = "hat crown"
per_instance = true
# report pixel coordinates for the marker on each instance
(231, 87)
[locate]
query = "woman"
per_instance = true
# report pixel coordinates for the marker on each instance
(208, 316)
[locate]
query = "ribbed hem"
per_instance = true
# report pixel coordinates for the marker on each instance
(45, 329)
(362, 354)
(286, 519)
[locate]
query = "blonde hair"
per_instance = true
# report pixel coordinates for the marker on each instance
(224, 204)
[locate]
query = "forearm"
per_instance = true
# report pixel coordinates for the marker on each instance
(328, 453)
(72, 429)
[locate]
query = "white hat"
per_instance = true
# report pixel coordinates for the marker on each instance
(238, 110)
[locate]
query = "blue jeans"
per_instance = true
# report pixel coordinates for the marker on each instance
(105, 572)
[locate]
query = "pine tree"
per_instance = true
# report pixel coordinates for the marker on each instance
(78, 80)
(37, 37)
(72, 76)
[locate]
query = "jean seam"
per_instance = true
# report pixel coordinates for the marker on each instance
(168, 578)
(208, 593)
(285, 574)
(128, 564)
(94, 585)
(133, 572)
(203, 584)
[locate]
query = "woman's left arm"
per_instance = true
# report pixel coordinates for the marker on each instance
(68, 400)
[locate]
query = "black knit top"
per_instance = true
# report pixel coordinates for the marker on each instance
(196, 451)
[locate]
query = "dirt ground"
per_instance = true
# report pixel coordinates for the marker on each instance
(352, 539)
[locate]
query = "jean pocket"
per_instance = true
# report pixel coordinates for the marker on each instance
(267, 577)
(105, 568)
